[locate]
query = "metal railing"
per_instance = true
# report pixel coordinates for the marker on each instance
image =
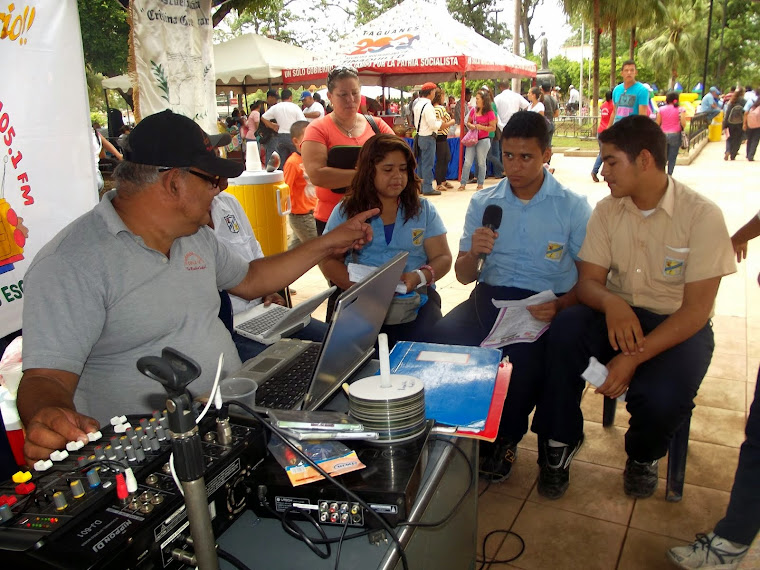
(576, 126)
(698, 128)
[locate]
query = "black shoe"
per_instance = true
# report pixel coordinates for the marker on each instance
(640, 479)
(432, 193)
(497, 466)
(554, 464)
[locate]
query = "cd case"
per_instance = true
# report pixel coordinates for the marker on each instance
(315, 420)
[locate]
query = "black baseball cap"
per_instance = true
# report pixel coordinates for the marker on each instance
(170, 139)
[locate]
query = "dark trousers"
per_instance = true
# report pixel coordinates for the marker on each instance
(734, 140)
(469, 323)
(753, 137)
(742, 521)
(285, 147)
(442, 158)
(660, 396)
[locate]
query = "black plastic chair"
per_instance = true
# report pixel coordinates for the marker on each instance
(677, 451)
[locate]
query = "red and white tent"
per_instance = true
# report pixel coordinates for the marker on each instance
(414, 42)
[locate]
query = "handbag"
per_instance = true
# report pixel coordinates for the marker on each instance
(470, 138)
(684, 140)
(403, 309)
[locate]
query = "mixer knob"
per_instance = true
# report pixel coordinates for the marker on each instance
(139, 454)
(59, 501)
(77, 490)
(130, 451)
(93, 479)
(155, 445)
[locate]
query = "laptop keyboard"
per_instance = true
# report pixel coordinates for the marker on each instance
(265, 321)
(285, 389)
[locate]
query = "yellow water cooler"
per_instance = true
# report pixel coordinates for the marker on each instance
(715, 130)
(266, 201)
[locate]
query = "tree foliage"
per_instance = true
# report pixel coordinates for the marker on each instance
(104, 35)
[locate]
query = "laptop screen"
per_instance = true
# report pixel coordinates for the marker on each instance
(359, 315)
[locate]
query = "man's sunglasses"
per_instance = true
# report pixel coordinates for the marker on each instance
(213, 180)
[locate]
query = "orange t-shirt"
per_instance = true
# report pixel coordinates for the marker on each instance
(325, 131)
(295, 177)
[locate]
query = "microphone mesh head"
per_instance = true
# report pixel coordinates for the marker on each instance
(492, 216)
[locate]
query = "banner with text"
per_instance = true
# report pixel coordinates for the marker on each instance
(172, 59)
(47, 170)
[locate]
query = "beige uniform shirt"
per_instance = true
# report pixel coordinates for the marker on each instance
(651, 257)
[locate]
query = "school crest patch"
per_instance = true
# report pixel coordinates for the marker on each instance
(417, 236)
(554, 251)
(232, 223)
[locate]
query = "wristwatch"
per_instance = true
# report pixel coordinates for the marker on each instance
(423, 280)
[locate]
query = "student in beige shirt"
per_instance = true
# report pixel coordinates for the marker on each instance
(651, 263)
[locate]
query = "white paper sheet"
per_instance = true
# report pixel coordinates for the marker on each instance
(358, 272)
(514, 323)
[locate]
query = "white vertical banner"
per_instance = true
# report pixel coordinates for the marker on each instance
(47, 163)
(172, 59)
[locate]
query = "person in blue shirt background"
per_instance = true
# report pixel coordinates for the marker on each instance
(535, 248)
(386, 179)
(711, 103)
(630, 97)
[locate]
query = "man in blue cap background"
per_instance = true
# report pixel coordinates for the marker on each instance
(711, 103)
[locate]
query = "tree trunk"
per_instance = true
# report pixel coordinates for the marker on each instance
(613, 52)
(595, 93)
(632, 45)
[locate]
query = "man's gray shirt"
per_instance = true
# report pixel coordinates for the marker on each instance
(97, 299)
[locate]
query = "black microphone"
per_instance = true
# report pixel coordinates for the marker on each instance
(492, 221)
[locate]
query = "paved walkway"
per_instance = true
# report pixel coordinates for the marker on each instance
(595, 526)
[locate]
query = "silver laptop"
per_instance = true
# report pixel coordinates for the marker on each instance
(300, 374)
(269, 324)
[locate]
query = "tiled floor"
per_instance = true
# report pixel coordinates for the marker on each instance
(595, 525)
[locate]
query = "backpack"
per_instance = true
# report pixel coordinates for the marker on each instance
(736, 114)
(753, 118)
(264, 133)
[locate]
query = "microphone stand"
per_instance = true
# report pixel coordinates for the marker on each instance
(189, 466)
(175, 371)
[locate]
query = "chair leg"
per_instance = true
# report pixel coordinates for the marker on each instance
(608, 415)
(677, 451)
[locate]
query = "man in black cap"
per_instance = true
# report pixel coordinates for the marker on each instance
(139, 272)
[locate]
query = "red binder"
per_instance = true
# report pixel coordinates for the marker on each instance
(491, 429)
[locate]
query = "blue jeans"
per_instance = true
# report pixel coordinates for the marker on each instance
(425, 163)
(494, 157)
(674, 143)
(480, 151)
(598, 163)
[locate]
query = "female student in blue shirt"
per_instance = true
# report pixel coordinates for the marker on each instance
(385, 179)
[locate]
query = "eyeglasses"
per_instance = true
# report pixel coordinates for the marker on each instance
(215, 181)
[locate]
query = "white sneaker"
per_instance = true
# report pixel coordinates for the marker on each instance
(708, 552)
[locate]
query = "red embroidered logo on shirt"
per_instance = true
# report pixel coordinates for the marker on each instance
(193, 262)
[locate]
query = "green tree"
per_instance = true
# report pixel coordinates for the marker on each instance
(104, 35)
(737, 59)
(678, 40)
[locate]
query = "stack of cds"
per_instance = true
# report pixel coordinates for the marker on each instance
(397, 412)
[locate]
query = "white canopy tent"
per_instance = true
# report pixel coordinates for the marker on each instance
(246, 60)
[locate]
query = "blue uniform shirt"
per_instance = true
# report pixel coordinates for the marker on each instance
(538, 242)
(407, 236)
